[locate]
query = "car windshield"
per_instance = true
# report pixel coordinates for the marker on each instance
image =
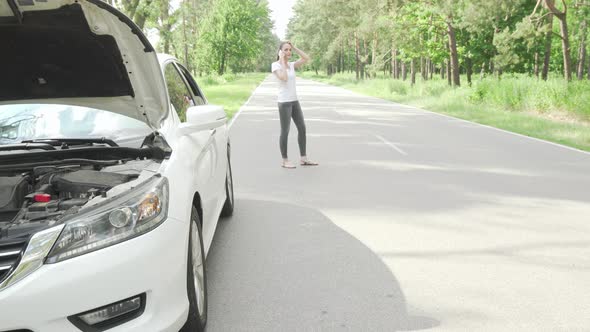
(42, 121)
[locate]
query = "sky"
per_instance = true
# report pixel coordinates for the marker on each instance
(281, 12)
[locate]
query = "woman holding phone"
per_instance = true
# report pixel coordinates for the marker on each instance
(289, 107)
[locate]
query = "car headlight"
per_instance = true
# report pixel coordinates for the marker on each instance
(119, 219)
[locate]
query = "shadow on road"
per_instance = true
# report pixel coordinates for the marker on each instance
(287, 278)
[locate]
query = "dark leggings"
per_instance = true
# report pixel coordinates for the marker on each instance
(287, 111)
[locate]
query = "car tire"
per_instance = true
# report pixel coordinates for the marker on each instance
(228, 206)
(196, 278)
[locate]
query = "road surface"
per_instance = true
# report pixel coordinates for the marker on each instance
(412, 221)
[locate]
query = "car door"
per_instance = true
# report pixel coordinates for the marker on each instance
(200, 149)
(220, 140)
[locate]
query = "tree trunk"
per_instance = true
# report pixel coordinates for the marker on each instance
(582, 51)
(536, 65)
(186, 62)
(453, 53)
(364, 59)
(548, 37)
(397, 65)
(374, 54)
(469, 64)
(413, 70)
(343, 48)
(224, 47)
(140, 18)
(449, 73)
(356, 56)
(132, 8)
(393, 63)
(404, 71)
(582, 62)
(565, 42)
(343, 59)
(482, 72)
(221, 69)
(443, 70)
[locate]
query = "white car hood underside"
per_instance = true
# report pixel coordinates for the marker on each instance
(135, 65)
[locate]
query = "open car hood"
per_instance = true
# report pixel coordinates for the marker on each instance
(79, 52)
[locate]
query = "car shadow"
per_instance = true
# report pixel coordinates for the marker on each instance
(290, 268)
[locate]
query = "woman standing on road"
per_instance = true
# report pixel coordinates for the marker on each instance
(288, 104)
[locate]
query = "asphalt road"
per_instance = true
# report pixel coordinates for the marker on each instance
(412, 221)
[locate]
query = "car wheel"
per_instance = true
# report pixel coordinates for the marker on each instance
(228, 206)
(196, 278)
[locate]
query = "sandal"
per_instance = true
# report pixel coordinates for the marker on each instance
(287, 164)
(308, 163)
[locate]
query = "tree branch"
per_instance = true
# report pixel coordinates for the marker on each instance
(536, 6)
(558, 35)
(551, 5)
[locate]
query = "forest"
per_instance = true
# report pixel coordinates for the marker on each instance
(446, 38)
(404, 39)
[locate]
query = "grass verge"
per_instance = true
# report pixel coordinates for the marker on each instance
(554, 110)
(231, 90)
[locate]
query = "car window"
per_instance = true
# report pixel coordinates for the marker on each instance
(198, 95)
(180, 96)
(42, 121)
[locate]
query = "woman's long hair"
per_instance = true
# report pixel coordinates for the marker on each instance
(281, 47)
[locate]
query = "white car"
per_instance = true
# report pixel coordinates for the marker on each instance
(114, 172)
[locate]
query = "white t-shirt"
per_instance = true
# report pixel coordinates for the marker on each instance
(287, 91)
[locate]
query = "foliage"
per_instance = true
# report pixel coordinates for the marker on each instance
(208, 35)
(500, 36)
(370, 36)
(230, 34)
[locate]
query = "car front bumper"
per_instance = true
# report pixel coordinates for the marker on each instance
(154, 263)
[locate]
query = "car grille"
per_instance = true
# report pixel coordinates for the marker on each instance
(11, 252)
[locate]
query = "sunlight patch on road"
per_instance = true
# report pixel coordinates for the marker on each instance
(391, 114)
(457, 264)
(381, 119)
(351, 122)
(409, 167)
(334, 135)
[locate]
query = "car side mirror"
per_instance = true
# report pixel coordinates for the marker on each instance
(202, 117)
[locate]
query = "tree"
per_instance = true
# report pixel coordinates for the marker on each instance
(230, 33)
(565, 42)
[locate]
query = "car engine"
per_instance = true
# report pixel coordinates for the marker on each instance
(43, 196)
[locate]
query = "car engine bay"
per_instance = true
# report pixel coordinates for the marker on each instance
(43, 196)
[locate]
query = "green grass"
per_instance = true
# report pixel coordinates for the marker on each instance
(554, 110)
(231, 90)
